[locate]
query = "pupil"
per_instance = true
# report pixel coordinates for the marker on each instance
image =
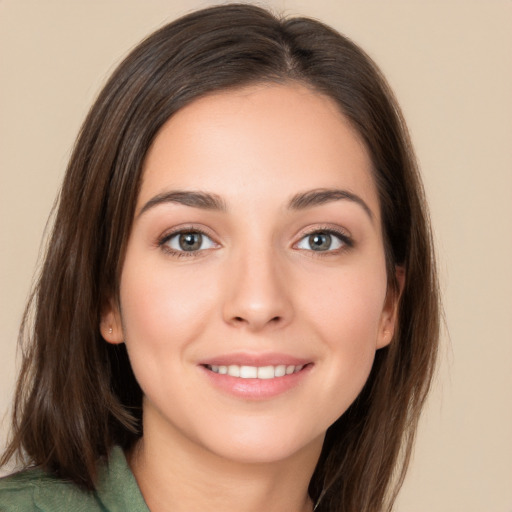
(320, 241)
(190, 241)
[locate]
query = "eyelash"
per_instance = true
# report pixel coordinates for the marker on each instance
(347, 242)
(162, 242)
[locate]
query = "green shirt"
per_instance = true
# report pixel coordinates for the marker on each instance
(34, 490)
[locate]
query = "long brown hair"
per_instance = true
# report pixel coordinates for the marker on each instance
(76, 394)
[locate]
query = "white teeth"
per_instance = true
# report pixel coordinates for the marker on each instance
(280, 370)
(256, 372)
(266, 372)
(248, 372)
(233, 370)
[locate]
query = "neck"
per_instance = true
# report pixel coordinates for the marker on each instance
(175, 474)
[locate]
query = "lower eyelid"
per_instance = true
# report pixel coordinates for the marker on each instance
(344, 240)
(163, 241)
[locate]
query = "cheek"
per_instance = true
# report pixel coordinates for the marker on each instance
(155, 298)
(346, 303)
(163, 312)
(346, 314)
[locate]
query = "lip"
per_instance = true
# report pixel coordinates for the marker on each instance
(255, 389)
(247, 359)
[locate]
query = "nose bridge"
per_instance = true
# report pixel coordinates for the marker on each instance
(257, 293)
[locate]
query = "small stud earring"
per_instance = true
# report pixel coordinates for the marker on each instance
(110, 330)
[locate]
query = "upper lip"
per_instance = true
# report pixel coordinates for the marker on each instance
(246, 359)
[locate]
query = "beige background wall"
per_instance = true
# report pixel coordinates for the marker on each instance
(450, 65)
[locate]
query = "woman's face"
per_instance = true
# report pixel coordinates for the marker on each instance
(253, 293)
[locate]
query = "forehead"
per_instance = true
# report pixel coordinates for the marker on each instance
(259, 141)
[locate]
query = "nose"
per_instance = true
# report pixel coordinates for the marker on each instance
(258, 293)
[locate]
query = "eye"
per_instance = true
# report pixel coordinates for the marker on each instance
(188, 241)
(323, 241)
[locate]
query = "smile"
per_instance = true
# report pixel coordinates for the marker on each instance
(255, 372)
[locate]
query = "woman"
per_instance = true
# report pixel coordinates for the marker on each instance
(238, 308)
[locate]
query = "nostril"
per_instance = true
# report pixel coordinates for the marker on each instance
(241, 320)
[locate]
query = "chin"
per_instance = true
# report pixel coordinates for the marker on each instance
(259, 444)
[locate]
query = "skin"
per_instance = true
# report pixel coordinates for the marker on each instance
(255, 286)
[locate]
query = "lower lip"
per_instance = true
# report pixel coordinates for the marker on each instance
(256, 389)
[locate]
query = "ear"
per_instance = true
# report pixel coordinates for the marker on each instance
(389, 315)
(110, 323)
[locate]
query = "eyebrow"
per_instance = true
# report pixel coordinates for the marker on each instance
(322, 196)
(300, 201)
(194, 199)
